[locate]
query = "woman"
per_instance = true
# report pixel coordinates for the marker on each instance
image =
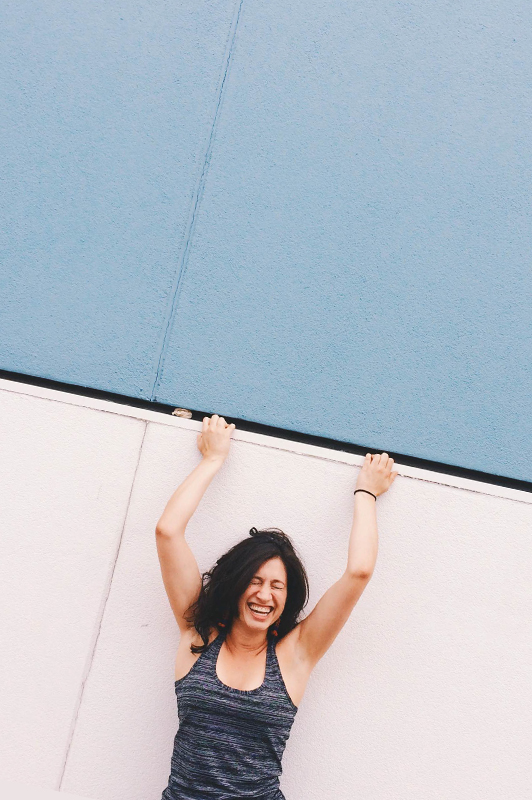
(243, 659)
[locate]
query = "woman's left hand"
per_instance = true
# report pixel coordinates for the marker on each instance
(214, 440)
(376, 474)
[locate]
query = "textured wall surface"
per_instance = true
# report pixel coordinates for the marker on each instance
(314, 216)
(107, 109)
(419, 698)
(24, 791)
(361, 259)
(65, 477)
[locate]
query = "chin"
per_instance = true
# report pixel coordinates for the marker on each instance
(260, 624)
(255, 626)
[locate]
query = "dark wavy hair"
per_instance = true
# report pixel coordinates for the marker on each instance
(224, 584)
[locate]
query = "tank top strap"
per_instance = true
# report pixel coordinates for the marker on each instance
(211, 653)
(206, 661)
(273, 673)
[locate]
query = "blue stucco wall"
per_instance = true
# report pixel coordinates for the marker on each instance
(314, 216)
(106, 109)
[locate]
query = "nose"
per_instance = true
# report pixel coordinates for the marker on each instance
(264, 595)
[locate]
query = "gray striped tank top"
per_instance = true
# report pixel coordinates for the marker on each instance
(230, 742)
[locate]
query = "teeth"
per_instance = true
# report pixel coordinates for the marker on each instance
(260, 610)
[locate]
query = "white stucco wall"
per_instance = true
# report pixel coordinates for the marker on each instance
(24, 791)
(421, 695)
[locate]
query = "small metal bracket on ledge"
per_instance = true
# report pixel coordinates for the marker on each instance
(182, 412)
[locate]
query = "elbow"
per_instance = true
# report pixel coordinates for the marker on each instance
(164, 532)
(360, 573)
(161, 531)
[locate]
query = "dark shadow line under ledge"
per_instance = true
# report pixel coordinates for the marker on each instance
(269, 430)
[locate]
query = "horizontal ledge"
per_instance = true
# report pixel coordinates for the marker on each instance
(264, 435)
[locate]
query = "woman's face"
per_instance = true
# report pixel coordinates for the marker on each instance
(263, 601)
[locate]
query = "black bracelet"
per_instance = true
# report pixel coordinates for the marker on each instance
(365, 490)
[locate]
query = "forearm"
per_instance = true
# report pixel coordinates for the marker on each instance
(187, 496)
(363, 541)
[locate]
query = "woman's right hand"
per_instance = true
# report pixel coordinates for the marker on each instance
(215, 437)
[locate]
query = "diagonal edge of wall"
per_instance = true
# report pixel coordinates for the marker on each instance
(262, 440)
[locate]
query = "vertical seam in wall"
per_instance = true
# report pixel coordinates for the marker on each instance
(99, 620)
(196, 200)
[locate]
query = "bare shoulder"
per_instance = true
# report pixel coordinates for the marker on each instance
(185, 659)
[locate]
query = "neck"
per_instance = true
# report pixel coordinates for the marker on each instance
(242, 639)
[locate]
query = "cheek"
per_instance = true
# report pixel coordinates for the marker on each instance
(244, 599)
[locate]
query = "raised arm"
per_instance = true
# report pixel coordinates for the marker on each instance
(179, 568)
(319, 630)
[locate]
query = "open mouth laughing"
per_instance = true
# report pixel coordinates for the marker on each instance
(260, 612)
